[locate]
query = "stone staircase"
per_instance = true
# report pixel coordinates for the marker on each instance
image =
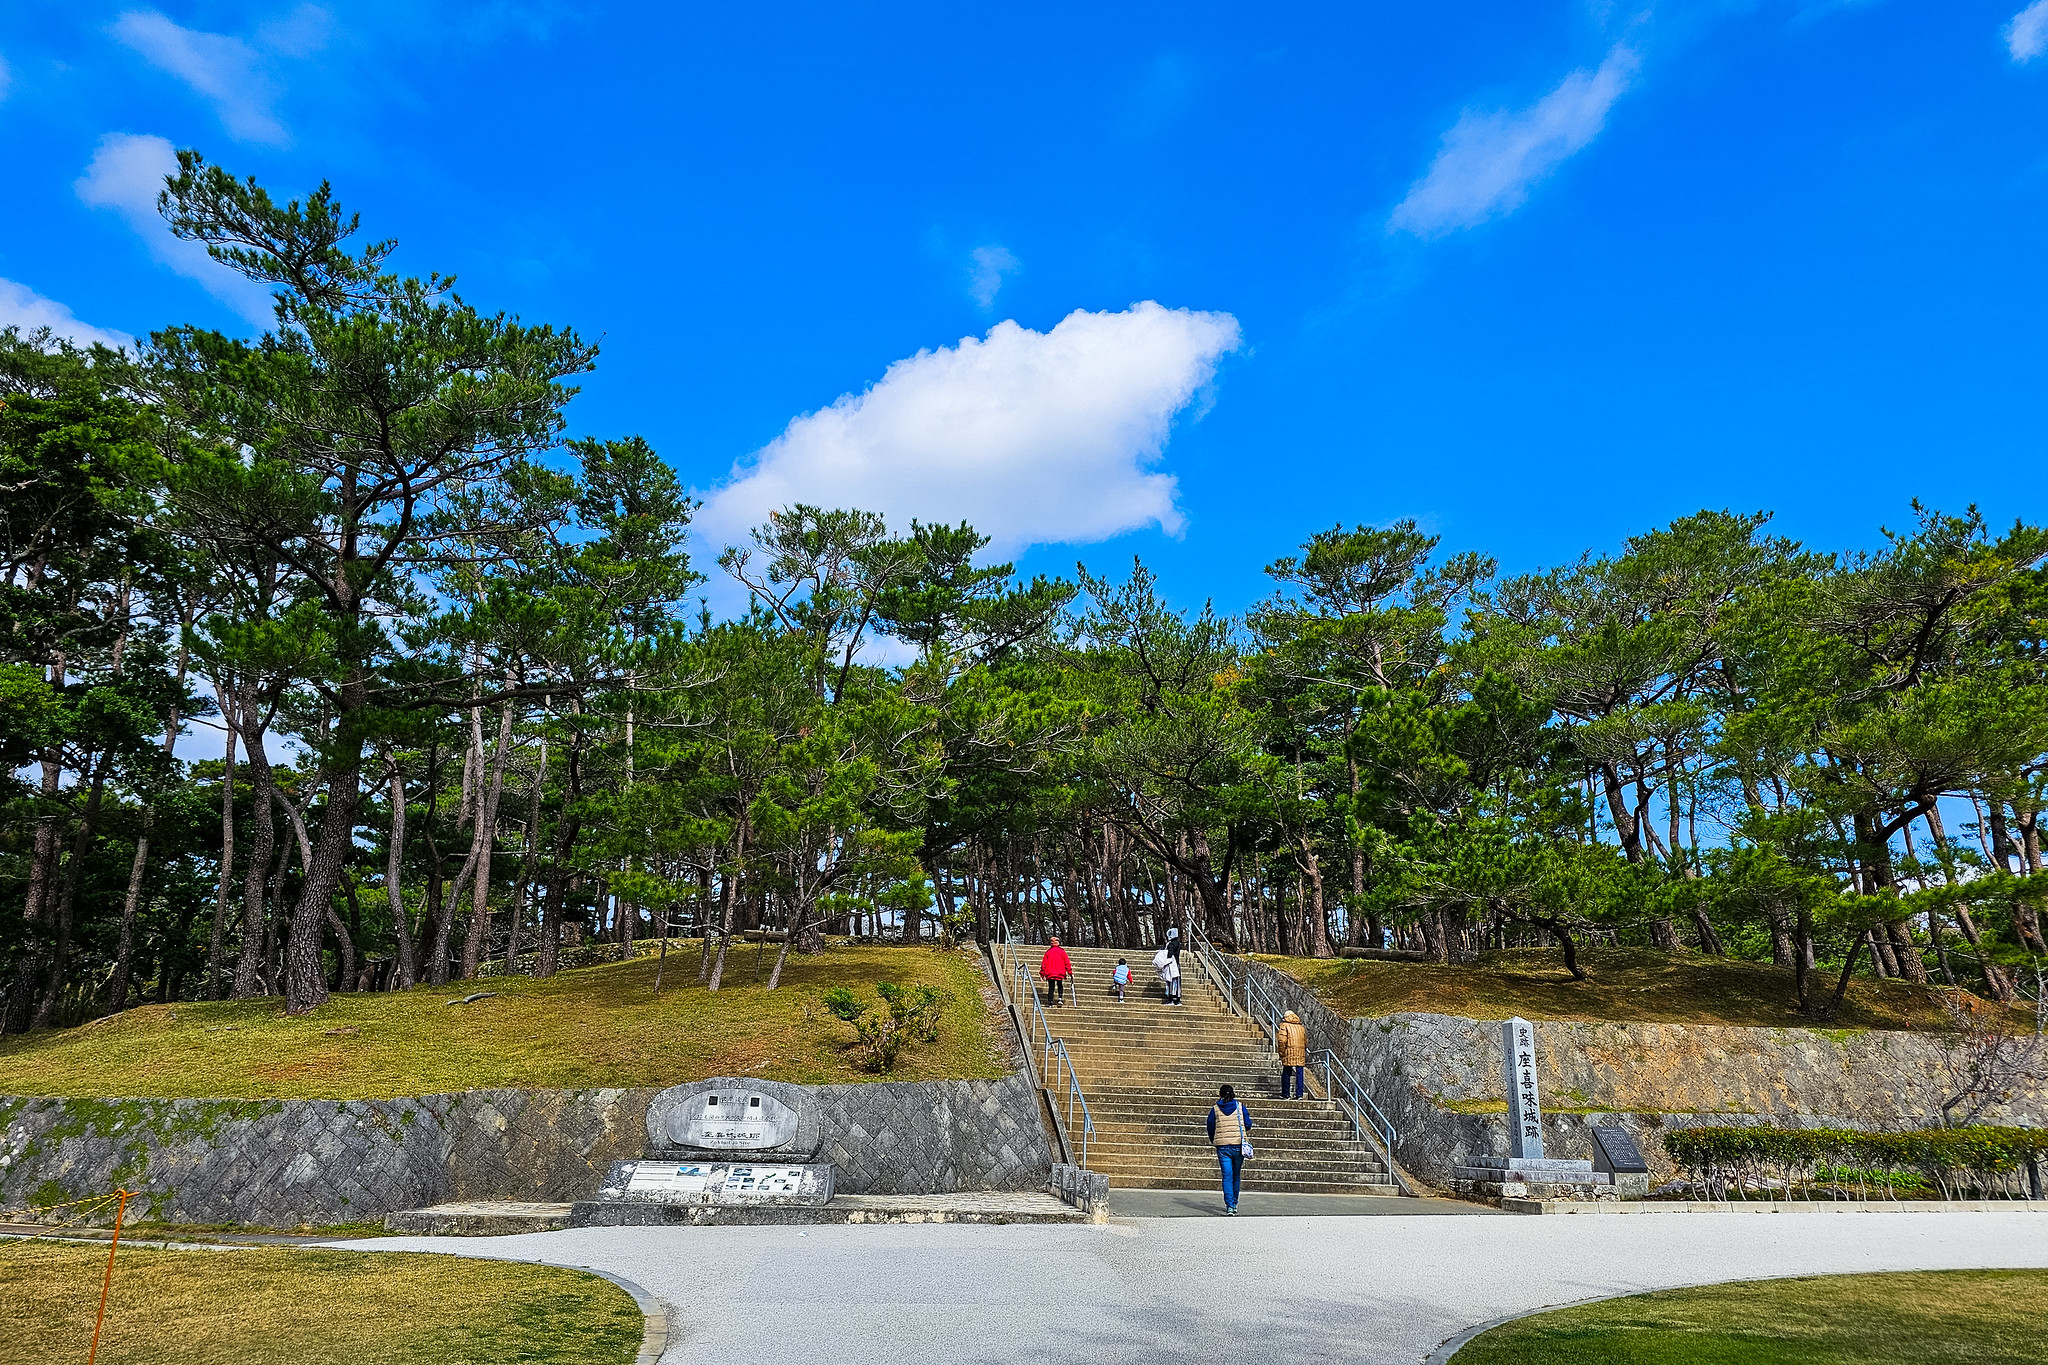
(1150, 1072)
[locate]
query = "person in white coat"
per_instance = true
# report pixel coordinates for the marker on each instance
(1168, 966)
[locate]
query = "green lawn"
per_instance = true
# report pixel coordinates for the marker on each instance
(597, 1026)
(1968, 1317)
(1638, 985)
(276, 1306)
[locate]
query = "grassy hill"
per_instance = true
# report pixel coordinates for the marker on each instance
(1638, 985)
(597, 1026)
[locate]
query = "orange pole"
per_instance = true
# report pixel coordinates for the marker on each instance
(107, 1283)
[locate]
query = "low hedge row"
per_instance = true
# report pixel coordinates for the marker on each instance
(1931, 1150)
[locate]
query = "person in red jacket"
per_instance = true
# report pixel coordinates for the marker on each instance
(1055, 967)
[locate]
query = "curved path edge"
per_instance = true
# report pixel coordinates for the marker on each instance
(653, 1313)
(1452, 1345)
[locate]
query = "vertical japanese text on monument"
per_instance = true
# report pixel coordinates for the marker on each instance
(1525, 1112)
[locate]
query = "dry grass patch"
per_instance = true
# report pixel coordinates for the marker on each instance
(1951, 1317)
(1639, 985)
(265, 1306)
(597, 1026)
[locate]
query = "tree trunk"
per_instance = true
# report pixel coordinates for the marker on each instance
(1995, 979)
(1781, 934)
(394, 886)
(345, 945)
(1433, 942)
(529, 865)
(1906, 953)
(227, 853)
(486, 836)
(67, 897)
(262, 841)
(1318, 918)
(2025, 919)
(728, 896)
(1842, 984)
(305, 984)
(1710, 940)
(42, 881)
(117, 991)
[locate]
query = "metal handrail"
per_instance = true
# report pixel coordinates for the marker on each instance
(1038, 1019)
(1056, 1052)
(1356, 1100)
(1243, 994)
(1247, 997)
(1056, 1055)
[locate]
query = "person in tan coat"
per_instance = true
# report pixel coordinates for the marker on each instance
(1292, 1042)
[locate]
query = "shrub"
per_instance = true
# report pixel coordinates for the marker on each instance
(1948, 1159)
(881, 1028)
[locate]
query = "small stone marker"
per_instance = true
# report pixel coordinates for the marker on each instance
(1615, 1152)
(1525, 1112)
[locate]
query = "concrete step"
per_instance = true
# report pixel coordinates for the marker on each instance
(1150, 1072)
(1195, 1174)
(1194, 1134)
(1250, 1182)
(1115, 1164)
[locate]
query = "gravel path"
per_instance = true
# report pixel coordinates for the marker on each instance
(1156, 1290)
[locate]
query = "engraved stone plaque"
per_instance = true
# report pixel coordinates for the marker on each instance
(1614, 1150)
(732, 1121)
(705, 1120)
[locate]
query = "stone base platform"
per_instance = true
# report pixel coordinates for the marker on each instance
(990, 1206)
(1559, 1191)
(496, 1218)
(479, 1218)
(1554, 1206)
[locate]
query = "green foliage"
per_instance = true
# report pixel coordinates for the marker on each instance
(1942, 1157)
(365, 539)
(881, 1028)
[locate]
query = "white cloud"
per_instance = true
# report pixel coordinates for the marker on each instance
(23, 307)
(1034, 437)
(226, 70)
(1490, 160)
(2027, 35)
(988, 265)
(299, 34)
(126, 175)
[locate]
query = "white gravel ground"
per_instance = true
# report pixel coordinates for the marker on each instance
(1243, 1291)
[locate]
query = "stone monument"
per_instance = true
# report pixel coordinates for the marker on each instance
(715, 1147)
(1525, 1172)
(1525, 1111)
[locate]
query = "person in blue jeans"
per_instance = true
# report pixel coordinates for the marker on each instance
(1230, 1131)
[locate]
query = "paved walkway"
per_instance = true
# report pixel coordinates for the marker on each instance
(1268, 1204)
(1384, 1291)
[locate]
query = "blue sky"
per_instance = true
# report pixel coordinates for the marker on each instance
(1537, 275)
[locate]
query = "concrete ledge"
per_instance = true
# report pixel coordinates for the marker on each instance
(1086, 1190)
(1782, 1206)
(994, 1206)
(479, 1218)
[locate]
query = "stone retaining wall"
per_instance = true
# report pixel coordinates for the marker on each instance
(284, 1163)
(1643, 1077)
